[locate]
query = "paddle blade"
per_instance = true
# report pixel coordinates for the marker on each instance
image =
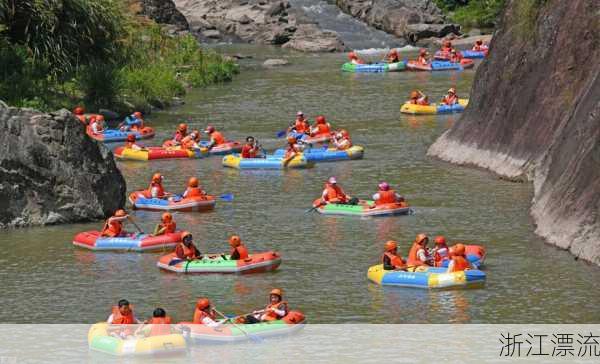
(281, 134)
(227, 197)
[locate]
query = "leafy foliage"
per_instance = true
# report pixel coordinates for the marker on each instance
(473, 13)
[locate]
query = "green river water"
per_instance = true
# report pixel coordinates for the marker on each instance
(45, 279)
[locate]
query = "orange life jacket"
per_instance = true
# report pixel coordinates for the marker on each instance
(396, 260)
(178, 137)
(334, 194)
(242, 251)
(161, 190)
(120, 319)
(169, 227)
(460, 263)
(193, 192)
(112, 228)
(291, 150)
(386, 197)
(422, 60)
(82, 118)
(185, 251)
(323, 129)
(438, 258)
(301, 126)
(187, 142)
(413, 259)
(160, 326)
(450, 100)
(248, 151)
(272, 316)
(91, 129)
(342, 145)
(200, 315)
(217, 138)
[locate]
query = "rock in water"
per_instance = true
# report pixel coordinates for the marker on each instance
(309, 38)
(51, 172)
(534, 114)
(275, 62)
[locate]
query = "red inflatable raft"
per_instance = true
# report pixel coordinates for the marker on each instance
(131, 242)
(216, 263)
(176, 203)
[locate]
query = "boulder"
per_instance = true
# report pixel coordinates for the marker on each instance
(164, 12)
(309, 38)
(275, 62)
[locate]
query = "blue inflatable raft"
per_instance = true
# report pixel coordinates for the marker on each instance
(429, 278)
(328, 154)
(270, 162)
(115, 135)
(474, 54)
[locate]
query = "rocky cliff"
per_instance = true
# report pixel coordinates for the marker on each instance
(51, 172)
(164, 12)
(410, 19)
(534, 115)
(257, 21)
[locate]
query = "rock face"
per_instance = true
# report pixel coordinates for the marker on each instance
(409, 19)
(258, 21)
(164, 12)
(51, 172)
(534, 114)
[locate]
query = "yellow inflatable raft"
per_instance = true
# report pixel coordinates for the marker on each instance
(100, 340)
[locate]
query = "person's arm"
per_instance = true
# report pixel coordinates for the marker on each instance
(158, 230)
(110, 319)
(235, 255)
(387, 263)
(450, 266)
(376, 197)
(179, 252)
(280, 310)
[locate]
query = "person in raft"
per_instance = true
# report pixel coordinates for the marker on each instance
(417, 97)
(341, 140)
(393, 56)
(423, 57)
(193, 189)
(96, 124)
(80, 114)
(292, 148)
(156, 189)
(458, 260)
(122, 314)
(353, 58)
(238, 249)
(186, 250)
(216, 138)
(300, 125)
(385, 195)
(446, 47)
(391, 260)
(113, 227)
(166, 226)
(180, 133)
(134, 121)
(158, 325)
(191, 140)
(251, 149)
(455, 56)
(441, 251)
(276, 309)
(479, 46)
(204, 314)
(419, 254)
(451, 97)
(321, 127)
(333, 193)
(131, 144)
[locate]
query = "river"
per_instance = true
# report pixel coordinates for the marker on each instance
(325, 259)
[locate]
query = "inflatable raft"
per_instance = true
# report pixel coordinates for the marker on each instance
(363, 208)
(270, 162)
(136, 242)
(307, 139)
(255, 263)
(115, 135)
(440, 65)
(223, 149)
(151, 153)
(100, 340)
(328, 154)
(431, 278)
(177, 203)
(228, 333)
(474, 54)
(442, 56)
(374, 67)
(414, 109)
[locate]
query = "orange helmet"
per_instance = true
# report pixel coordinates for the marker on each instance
(448, 44)
(137, 114)
(131, 138)
(390, 245)
(157, 178)
(209, 129)
(321, 119)
(182, 127)
(78, 110)
(291, 139)
(344, 133)
(440, 240)
(352, 56)
(452, 90)
(196, 134)
(421, 239)
(167, 217)
(186, 235)
(202, 303)
(235, 241)
(459, 249)
(120, 213)
(193, 182)
(277, 291)
(414, 95)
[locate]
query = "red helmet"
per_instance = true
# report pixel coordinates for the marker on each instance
(182, 127)
(167, 217)
(421, 239)
(448, 44)
(157, 178)
(291, 139)
(193, 182)
(321, 119)
(137, 114)
(459, 249)
(384, 186)
(422, 51)
(209, 129)
(131, 138)
(235, 241)
(202, 303)
(440, 240)
(120, 213)
(352, 56)
(78, 110)
(390, 246)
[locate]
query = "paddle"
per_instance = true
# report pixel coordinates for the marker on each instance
(134, 224)
(314, 208)
(227, 197)
(254, 338)
(281, 133)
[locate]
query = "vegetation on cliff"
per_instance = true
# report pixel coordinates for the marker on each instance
(96, 52)
(473, 13)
